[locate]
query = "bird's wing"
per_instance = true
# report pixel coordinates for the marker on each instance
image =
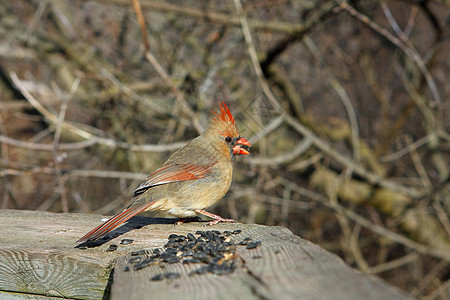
(166, 174)
(173, 173)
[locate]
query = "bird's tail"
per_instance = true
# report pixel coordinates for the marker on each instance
(112, 223)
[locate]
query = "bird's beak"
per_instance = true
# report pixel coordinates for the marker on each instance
(241, 147)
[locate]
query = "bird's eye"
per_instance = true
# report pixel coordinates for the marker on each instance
(228, 139)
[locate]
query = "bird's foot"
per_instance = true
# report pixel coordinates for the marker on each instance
(216, 218)
(215, 221)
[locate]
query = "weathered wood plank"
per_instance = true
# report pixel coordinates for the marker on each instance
(38, 257)
(21, 296)
(283, 267)
(38, 254)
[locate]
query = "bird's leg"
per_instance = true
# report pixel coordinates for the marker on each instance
(216, 218)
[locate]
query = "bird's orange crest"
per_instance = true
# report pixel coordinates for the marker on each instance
(225, 114)
(223, 122)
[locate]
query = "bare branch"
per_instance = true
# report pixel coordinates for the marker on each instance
(407, 49)
(254, 56)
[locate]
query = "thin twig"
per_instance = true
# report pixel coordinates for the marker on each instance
(356, 249)
(405, 151)
(349, 163)
(57, 157)
(393, 264)
(274, 124)
(91, 139)
(39, 107)
(420, 168)
(380, 230)
(283, 158)
(407, 49)
(110, 143)
(345, 99)
(441, 290)
(141, 20)
(254, 56)
(74, 172)
(128, 91)
(442, 215)
(163, 74)
(210, 16)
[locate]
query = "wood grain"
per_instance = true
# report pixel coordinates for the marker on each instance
(39, 260)
(283, 267)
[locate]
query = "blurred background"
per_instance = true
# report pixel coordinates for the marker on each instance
(345, 103)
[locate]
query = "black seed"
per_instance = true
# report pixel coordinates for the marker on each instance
(166, 256)
(157, 277)
(180, 239)
(143, 264)
(256, 256)
(135, 259)
(212, 248)
(253, 245)
(172, 260)
(277, 251)
(191, 261)
(237, 231)
(201, 233)
(187, 253)
(171, 250)
(172, 275)
(202, 270)
(140, 252)
(126, 241)
(199, 255)
(112, 247)
(220, 271)
(126, 269)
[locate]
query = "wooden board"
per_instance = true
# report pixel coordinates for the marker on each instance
(283, 267)
(38, 256)
(38, 253)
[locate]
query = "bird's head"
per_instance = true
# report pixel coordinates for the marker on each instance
(224, 134)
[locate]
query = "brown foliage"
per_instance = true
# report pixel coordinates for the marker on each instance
(346, 107)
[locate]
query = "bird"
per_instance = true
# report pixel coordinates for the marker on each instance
(194, 178)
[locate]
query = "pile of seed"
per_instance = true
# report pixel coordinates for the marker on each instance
(213, 250)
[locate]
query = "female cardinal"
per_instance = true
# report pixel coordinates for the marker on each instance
(194, 178)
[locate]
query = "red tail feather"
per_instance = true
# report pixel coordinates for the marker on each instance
(112, 223)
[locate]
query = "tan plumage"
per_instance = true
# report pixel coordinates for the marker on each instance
(194, 178)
